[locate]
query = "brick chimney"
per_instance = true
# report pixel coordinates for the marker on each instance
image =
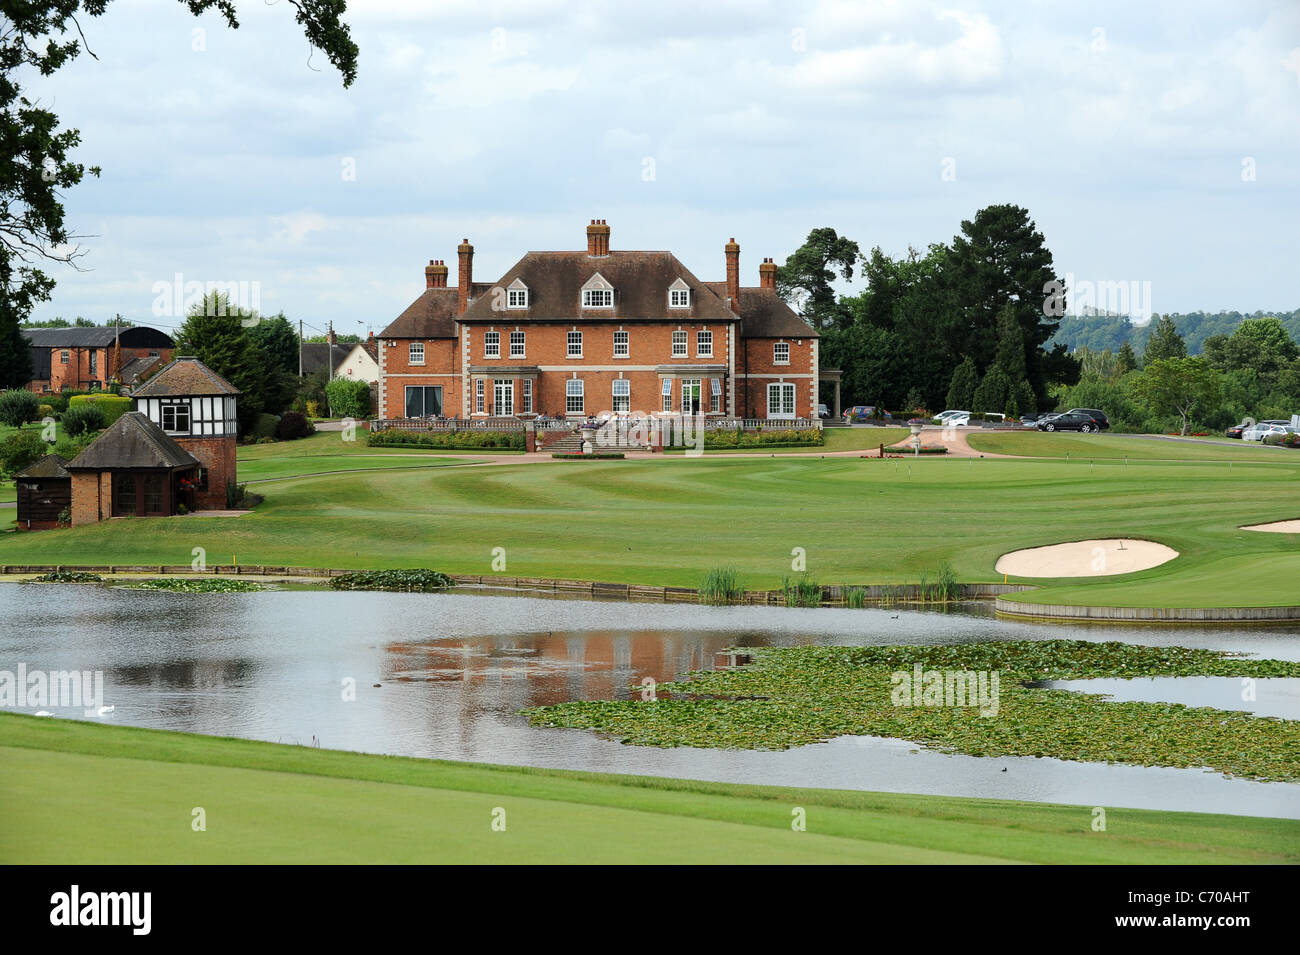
(733, 274)
(466, 252)
(767, 274)
(598, 238)
(435, 274)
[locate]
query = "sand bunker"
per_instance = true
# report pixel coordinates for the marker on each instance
(1277, 527)
(1094, 558)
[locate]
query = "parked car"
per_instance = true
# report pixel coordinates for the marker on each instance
(1070, 421)
(1260, 431)
(1029, 421)
(860, 413)
(823, 412)
(943, 416)
(1236, 429)
(1098, 416)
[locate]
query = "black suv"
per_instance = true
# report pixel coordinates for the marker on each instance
(1070, 421)
(1098, 416)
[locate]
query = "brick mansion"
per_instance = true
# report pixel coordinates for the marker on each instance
(573, 334)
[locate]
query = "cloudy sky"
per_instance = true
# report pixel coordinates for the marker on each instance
(1151, 142)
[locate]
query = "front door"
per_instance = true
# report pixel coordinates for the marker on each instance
(503, 396)
(691, 396)
(780, 400)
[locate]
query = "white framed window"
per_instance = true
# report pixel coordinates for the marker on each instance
(622, 396)
(622, 345)
(415, 353)
(528, 396)
(479, 388)
(516, 344)
(63, 357)
(780, 400)
(491, 344)
(573, 403)
(781, 353)
(679, 298)
(503, 396)
(667, 392)
(704, 344)
(176, 417)
(575, 345)
(517, 298)
(598, 298)
(691, 396)
(716, 389)
(679, 344)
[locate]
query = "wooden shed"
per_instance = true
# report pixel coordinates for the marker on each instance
(44, 492)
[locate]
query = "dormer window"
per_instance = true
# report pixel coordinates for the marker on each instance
(597, 293)
(679, 295)
(517, 295)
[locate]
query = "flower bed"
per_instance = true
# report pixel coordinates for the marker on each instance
(447, 440)
(717, 438)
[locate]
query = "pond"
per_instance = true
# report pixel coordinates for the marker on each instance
(454, 670)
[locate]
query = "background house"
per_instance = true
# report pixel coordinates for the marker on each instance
(65, 359)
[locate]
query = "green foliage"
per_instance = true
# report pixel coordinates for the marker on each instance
(961, 390)
(799, 695)
(111, 407)
(197, 585)
(811, 269)
(275, 338)
(264, 427)
(1163, 342)
(1125, 359)
(293, 426)
(18, 406)
(721, 586)
(20, 449)
(992, 393)
(348, 398)
(721, 438)
(446, 440)
(67, 577)
(83, 419)
(69, 446)
(855, 598)
(409, 581)
(1179, 386)
(801, 591)
(594, 456)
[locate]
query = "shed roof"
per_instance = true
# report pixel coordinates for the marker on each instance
(132, 441)
(50, 466)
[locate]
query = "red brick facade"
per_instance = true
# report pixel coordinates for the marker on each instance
(92, 497)
(217, 454)
(626, 325)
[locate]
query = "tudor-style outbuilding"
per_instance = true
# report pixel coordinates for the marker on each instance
(572, 334)
(133, 469)
(195, 407)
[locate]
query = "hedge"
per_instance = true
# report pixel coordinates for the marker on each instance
(348, 398)
(448, 440)
(18, 406)
(113, 406)
(785, 437)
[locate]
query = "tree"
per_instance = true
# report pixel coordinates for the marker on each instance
(278, 341)
(1011, 345)
(1178, 386)
(1023, 396)
(1000, 260)
(1164, 342)
(992, 393)
(961, 391)
(1125, 360)
(1270, 336)
(40, 37)
(809, 271)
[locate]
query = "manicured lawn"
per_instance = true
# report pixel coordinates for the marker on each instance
(669, 521)
(331, 444)
(1115, 446)
(836, 439)
(268, 469)
(79, 793)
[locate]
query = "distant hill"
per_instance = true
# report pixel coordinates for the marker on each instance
(1102, 332)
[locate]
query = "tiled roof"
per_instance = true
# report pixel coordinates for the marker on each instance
(316, 356)
(185, 376)
(132, 441)
(432, 315)
(99, 336)
(764, 314)
(50, 466)
(640, 280)
(136, 367)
